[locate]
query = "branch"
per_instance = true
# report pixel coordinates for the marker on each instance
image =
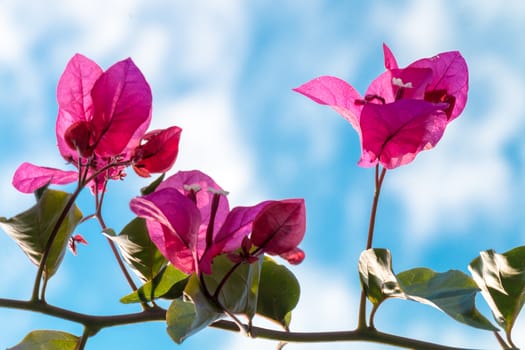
(336, 336)
(96, 323)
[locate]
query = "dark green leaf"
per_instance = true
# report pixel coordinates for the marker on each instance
(239, 293)
(31, 229)
(138, 250)
(278, 292)
(169, 284)
(152, 186)
(501, 278)
(452, 292)
(47, 340)
(189, 314)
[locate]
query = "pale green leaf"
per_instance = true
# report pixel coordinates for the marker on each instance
(137, 249)
(31, 229)
(191, 313)
(501, 278)
(169, 284)
(47, 340)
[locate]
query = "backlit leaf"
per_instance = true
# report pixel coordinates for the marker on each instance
(191, 313)
(239, 293)
(452, 292)
(168, 284)
(138, 250)
(31, 229)
(501, 278)
(47, 340)
(278, 292)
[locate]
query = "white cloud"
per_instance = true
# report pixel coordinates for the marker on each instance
(414, 28)
(467, 174)
(211, 142)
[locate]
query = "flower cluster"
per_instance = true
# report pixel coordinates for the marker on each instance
(189, 220)
(101, 128)
(404, 110)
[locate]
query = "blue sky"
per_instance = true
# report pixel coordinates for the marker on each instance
(224, 71)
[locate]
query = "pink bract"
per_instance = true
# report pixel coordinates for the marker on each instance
(114, 107)
(29, 177)
(188, 219)
(394, 132)
(101, 127)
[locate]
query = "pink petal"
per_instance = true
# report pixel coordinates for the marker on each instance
(390, 60)
(394, 133)
(159, 152)
(184, 180)
(122, 109)
(450, 75)
(294, 256)
(335, 93)
(237, 226)
(381, 87)
(74, 98)
(173, 222)
(280, 226)
(29, 177)
(410, 82)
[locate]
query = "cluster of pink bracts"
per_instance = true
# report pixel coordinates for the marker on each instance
(101, 129)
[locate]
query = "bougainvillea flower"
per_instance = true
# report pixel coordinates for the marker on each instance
(279, 228)
(158, 153)
(441, 78)
(188, 219)
(393, 133)
(398, 131)
(101, 127)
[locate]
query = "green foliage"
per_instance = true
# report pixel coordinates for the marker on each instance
(278, 292)
(138, 250)
(377, 277)
(32, 229)
(169, 283)
(47, 340)
(501, 278)
(191, 313)
(152, 186)
(239, 293)
(452, 292)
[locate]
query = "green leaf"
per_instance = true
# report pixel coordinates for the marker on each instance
(377, 277)
(452, 292)
(152, 186)
(47, 340)
(169, 284)
(138, 250)
(239, 293)
(279, 292)
(31, 229)
(501, 278)
(191, 313)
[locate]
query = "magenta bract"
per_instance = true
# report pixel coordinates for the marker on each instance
(158, 153)
(29, 177)
(188, 218)
(101, 127)
(404, 110)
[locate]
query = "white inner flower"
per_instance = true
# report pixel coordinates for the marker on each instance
(399, 82)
